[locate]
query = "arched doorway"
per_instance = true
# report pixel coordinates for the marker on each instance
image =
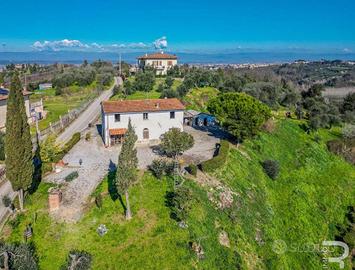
(146, 134)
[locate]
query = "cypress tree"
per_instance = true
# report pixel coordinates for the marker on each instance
(127, 166)
(18, 144)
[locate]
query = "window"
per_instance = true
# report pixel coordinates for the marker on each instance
(172, 115)
(117, 117)
(145, 116)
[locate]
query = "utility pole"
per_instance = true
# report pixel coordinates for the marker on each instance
(120, 65)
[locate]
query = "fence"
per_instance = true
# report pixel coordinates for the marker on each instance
(64, 121)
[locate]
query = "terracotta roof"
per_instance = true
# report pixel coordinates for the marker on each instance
(117, 131)
(157, 56)
(142, 105)
(4, 97)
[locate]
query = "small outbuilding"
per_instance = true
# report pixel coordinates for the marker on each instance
(199, 119)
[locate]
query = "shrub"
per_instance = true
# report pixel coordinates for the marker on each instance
(77, 260)
(71, 176)
(271, 168)
(98, 200)
(20, 256)
(6, 201)
(219, 160)
(192, 169)
(158, 167)
(179, 201)
(70, 144)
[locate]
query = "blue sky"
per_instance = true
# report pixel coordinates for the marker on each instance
(187, 25)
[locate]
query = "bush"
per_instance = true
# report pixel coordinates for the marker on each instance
(77, 260)
(179, 201)
(70, 144)
(161, 167)
(192, 169)
(219, 160)
(98, 200)
(271, 168)
(158, 167)
(20, 256)
(71, 176)
(6, 201)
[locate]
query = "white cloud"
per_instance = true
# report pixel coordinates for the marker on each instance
(58, 45)
(67, 44)
(161, 43)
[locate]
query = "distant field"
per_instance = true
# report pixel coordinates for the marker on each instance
(197, 98)
(338, 92)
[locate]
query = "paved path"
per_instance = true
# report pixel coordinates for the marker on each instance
(88, 116)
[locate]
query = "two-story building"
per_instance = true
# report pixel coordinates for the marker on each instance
(161, 62)
(150, 118)
(4, 93)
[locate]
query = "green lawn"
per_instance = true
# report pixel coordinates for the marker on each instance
(302, 206)
(59, 105)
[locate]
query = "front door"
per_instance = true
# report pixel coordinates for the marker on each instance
(145, 134)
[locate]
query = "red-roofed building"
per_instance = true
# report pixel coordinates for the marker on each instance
(161, 62)
(150, 118)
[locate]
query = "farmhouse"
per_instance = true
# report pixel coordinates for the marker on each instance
(150, 118)
(4, 93)
(161, 62)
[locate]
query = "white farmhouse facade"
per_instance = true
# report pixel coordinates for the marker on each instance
(4, 93)
(161, 62)
(150, 118)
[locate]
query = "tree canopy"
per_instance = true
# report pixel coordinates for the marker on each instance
(175, 142)
(241, 114)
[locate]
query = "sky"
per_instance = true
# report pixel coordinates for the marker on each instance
(179, 25)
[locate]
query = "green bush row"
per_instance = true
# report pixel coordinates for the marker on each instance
(70, 177)
(70, 144)
(218, 161)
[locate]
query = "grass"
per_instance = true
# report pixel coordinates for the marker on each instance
(59, 105)
(302, 206)
(197, 98)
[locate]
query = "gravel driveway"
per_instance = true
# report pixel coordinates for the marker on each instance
(98, 160)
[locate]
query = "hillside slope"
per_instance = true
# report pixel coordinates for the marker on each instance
(299, 209)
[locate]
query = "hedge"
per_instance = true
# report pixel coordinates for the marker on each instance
(217, 161)
(70, 144)
(70, 177)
